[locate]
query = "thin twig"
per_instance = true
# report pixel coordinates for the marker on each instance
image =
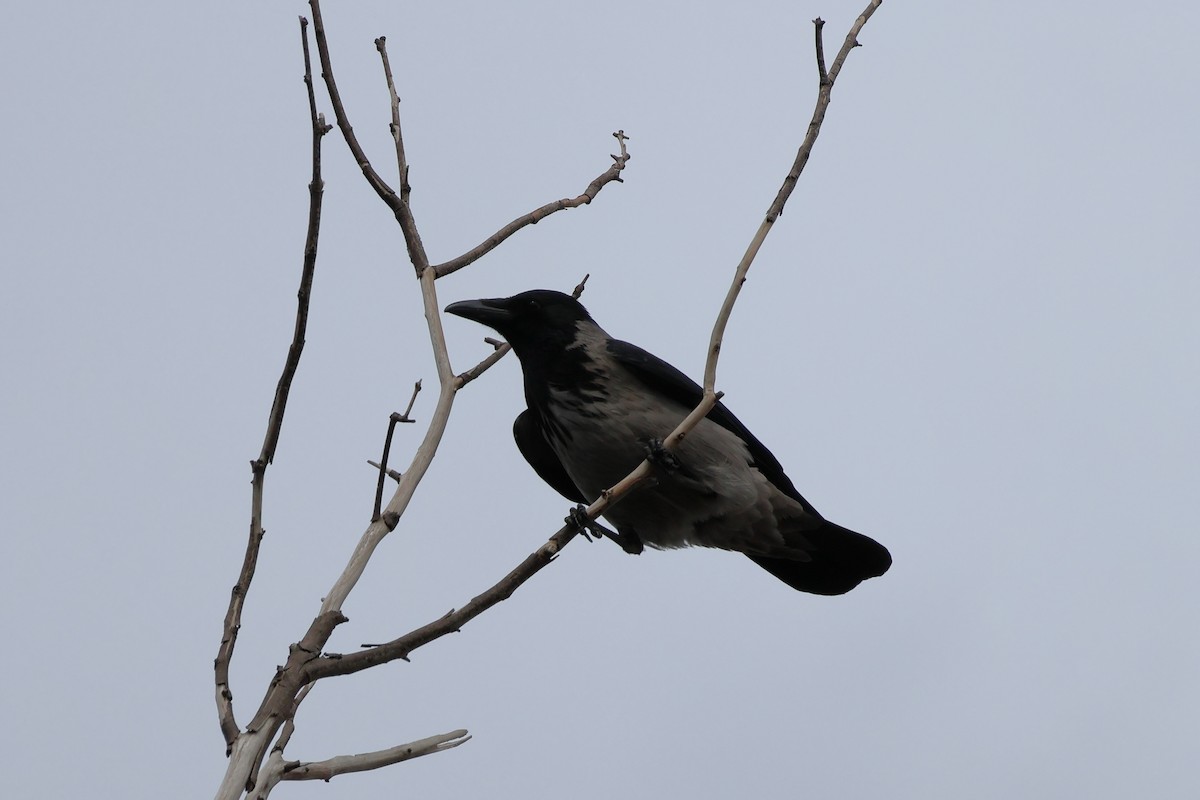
(406, 415)
(611, 174)
(818, 26)
(503, 348)
(387, 447)
(851, 40)
(391, 473)
(233, 616)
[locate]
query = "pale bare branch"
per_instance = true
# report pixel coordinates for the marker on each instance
(825, 87)
(361, 762)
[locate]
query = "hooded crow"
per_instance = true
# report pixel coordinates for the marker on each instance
(597, 406)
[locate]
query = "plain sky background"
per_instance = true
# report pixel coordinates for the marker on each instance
(973, 335)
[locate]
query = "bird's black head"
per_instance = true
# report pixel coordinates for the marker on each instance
(539, 321)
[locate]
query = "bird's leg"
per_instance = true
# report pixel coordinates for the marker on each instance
(658, 455)
(628, 540)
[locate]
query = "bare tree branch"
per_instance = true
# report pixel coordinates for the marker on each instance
(233, 616)
(340, 765)
(611, 174)
(399, 205)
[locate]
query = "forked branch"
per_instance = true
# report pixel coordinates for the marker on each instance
(233, 616)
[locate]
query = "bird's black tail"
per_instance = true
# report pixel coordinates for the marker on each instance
(840, 560)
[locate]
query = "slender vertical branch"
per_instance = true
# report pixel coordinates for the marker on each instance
(818, 27)
(401, 160)
(233, 616)
(824, 89)
(408, 224)
(387, 447)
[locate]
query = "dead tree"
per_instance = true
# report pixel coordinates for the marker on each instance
(256, 750)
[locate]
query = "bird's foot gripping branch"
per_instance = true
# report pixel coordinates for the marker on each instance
(659, 456)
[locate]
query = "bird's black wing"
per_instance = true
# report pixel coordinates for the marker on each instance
(542, 458)
(661, 377)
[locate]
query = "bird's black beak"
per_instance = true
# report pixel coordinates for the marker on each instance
(493, 313)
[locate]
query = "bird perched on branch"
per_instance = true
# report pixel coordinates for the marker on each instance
(598, 407)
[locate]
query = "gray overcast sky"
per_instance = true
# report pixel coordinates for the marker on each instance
(973, 336)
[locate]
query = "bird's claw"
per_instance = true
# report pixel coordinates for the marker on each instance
(629, 541)
(584, 524)
(658, 455)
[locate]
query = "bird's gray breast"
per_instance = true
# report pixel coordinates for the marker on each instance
(716, 498)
